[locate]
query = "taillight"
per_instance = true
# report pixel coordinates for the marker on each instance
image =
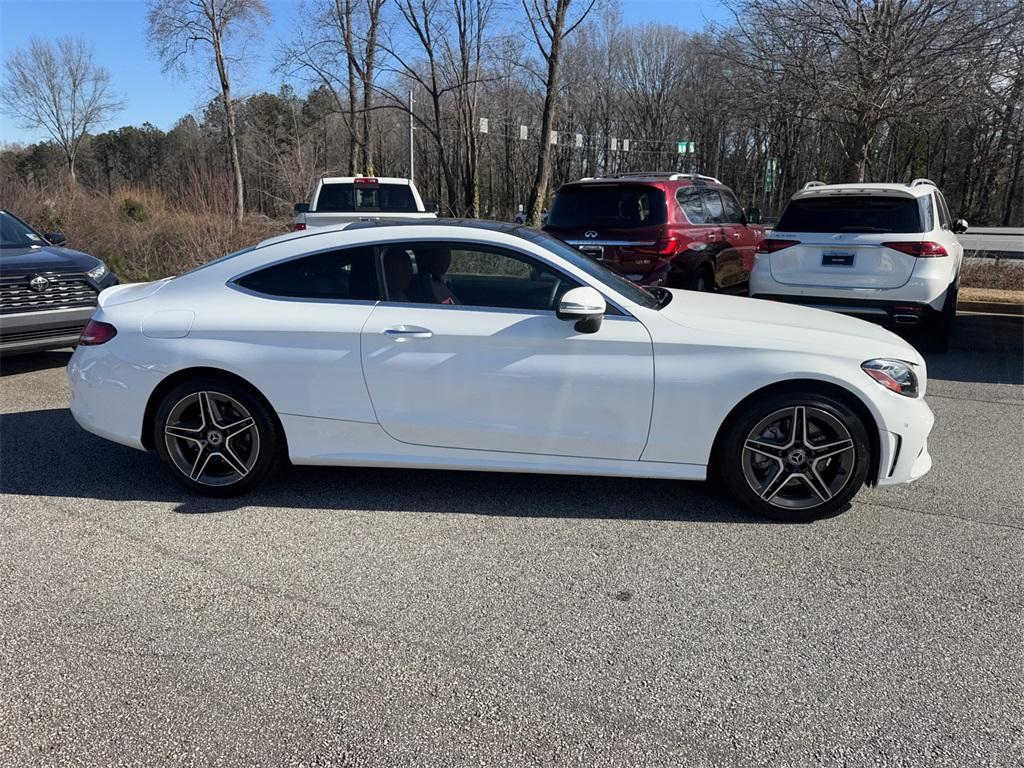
(96, 332)
(665, 246)
(919, 249)
(771, 246)
(298, 226)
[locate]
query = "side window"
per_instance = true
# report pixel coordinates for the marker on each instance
(346, 274)
(713, 203)
(471, 274)
(733, 210)
(689, 201)
(944, 218)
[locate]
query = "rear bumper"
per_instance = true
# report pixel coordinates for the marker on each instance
(893, 314)
(36, 331)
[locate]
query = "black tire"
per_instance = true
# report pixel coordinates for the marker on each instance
(228, 457)
(703, 280)
(938, 336)
(742, 457)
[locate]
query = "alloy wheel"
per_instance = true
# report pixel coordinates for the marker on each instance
(798, 457)
(212, 438)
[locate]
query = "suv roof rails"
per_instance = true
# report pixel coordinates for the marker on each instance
(919, 182)
(813, 184)
(665, 175)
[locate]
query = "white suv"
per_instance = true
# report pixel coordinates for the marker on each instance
(883, 252)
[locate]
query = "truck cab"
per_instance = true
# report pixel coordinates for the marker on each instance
(344, 199)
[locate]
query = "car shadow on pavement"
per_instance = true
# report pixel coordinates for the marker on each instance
(985, 349)
(38, 361)
(44, 453)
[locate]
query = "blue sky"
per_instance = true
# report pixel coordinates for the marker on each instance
(117, 31)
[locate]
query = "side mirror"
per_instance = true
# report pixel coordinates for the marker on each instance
(753, 215)
(301, 208)
(959, 226)
(431, 207)
(55, 238)
(584, 305)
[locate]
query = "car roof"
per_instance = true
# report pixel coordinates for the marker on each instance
(351, 179)
(485, 225)
(921, 188)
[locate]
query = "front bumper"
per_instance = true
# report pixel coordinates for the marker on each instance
(36, 331)
(904, 453)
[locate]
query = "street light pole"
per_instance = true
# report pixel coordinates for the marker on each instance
(412, 148)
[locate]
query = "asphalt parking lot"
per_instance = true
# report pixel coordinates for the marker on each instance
(371, 617)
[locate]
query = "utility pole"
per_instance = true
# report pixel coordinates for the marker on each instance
(412, 148)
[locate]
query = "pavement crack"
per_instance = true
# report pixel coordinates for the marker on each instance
(989, 523)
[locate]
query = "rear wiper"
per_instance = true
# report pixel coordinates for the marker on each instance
(863, 229)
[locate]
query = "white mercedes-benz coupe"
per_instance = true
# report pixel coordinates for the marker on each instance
(476, 346)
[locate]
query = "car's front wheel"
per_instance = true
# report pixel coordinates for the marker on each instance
(216, 437)
(794, 456)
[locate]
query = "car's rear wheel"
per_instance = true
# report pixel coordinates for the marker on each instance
(795, 456)
(216, 437)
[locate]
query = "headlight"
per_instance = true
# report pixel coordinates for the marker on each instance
(98, 273)
(894, 375)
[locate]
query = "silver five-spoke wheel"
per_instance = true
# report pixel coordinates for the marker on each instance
(798, 457)
(212, 438)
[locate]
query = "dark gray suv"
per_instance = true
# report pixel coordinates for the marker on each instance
(47, 292)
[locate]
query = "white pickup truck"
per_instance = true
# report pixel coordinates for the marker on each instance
(343, 199)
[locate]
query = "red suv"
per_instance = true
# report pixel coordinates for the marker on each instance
(672, 229)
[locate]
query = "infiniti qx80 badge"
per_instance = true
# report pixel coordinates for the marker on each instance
(38, 283)
(590, 233)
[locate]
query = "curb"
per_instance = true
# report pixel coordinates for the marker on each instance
(990, 307)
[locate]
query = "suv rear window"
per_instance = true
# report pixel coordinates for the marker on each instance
(622, 206)
(852, 213)
(353, 198)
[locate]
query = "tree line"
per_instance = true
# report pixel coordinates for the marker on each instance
(511, 99)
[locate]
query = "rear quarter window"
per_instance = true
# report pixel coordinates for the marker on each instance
(856, 213)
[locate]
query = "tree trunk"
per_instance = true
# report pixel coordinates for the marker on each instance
(542, 178)
(229, 114)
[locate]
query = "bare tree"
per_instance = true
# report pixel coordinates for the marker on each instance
(58, 87)
(862, 60)
(343, 31)
(550, 25)
(176, 27)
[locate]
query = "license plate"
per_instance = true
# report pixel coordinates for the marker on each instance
(837, 259)
(595, 252)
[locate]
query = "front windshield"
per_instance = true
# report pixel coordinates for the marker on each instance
(14, 233)
(599, 272)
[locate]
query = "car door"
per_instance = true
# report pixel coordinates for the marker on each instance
(705, 238)
(728, 264)
(490, 367)
(741, 236)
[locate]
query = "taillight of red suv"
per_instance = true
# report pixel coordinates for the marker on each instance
(664, 246)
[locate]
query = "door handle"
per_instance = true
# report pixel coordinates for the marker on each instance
(408, 332)
(712, 236)
(735, 234)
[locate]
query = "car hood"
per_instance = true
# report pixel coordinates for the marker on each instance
(810, 330)
(48, 258)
